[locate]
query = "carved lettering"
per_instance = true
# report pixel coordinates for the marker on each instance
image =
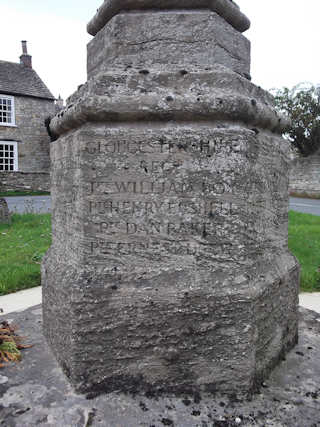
(154, 187)
(207, 147)
(153, 227)
(104, 248)
(140, 187)
(209, 208)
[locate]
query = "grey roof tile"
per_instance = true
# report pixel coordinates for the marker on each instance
(17, 79)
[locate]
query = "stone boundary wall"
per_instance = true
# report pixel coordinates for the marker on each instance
(305, 176)
(36, 181)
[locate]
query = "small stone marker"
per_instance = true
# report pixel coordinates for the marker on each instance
(169, 269)
(4, 212)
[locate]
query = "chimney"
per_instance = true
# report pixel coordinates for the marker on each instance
(59, 103)
(25, 59)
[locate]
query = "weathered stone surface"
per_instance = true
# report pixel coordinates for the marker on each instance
(164, 40)
(35, 392)
(170, 199)
(186, 94)
(4, 212)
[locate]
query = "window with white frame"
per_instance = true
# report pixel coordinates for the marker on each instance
(7, 116)
(8, 156)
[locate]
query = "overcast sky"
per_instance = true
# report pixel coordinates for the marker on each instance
(284, 35)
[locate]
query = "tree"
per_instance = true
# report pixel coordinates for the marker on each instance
(302, 105)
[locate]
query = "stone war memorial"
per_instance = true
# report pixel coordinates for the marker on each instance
(169, 270)
(4, 212)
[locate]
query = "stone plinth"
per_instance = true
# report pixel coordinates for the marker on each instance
(4, 212)
(169, 269)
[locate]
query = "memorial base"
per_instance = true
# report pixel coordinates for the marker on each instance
(141, 336)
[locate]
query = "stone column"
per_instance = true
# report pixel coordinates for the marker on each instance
(169, 269)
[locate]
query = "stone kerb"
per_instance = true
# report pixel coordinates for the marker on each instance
(4, 212)
(170, 199)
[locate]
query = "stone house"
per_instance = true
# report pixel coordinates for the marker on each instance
(25, 103)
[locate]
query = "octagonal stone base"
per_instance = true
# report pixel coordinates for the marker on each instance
(177, 275)
(149, 336)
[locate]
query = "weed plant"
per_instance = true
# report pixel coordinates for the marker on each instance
(304, 243)
(22, 246)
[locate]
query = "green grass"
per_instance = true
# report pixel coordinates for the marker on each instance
(25, 241)
(22, 246)
(23, 193)
(304, 243)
